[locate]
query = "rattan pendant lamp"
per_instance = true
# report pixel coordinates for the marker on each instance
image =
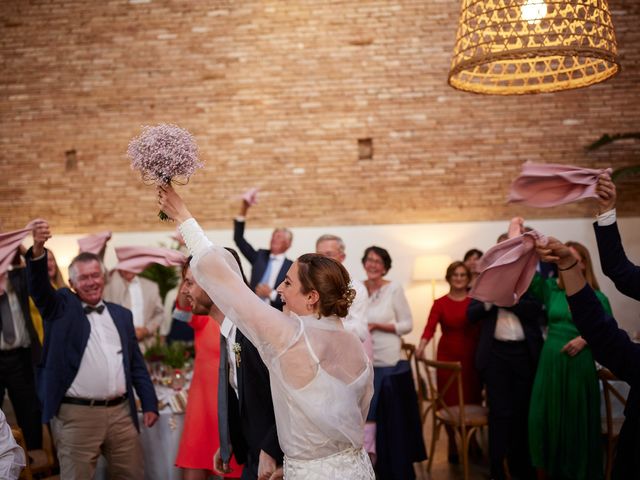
(511, 47)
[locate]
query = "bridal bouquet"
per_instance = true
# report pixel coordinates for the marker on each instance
(164, 154)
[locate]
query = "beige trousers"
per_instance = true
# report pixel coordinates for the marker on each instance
(81, 433)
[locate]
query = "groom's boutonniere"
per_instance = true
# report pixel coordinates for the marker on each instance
(237, 349)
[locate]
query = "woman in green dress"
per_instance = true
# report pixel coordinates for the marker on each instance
(564, 417)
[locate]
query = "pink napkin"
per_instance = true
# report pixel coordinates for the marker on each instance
(251, 196)
(506, 270)
(136, 259)
(550, 184)
(94, 243)
(9, 244)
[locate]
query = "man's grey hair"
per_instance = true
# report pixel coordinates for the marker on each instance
(288, 232)
(84, 257)
(327, 237)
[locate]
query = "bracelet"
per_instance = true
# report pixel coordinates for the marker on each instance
(568, 268)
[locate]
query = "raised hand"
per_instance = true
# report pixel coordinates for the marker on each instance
(606, 191)
(554, 251)
(516, 227)
(172, 204)
(41, 233)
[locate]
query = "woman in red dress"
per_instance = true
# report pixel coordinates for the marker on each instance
(458, 341)
(200, 438)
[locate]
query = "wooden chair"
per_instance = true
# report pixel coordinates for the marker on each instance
(463, 419)
(611, 426)
(409, 350)
(17, 435)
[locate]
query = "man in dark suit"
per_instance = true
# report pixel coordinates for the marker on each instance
(613, 260)
(90, 365)
(19, 353)
(244, 389)
(269, 267)
(610, 345)
(506, 357)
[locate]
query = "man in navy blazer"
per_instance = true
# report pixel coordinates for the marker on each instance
(269, 267)
(610, 345)
(90, 366)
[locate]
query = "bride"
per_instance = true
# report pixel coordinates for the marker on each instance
(321, 378)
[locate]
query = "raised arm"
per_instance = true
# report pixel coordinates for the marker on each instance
(613, 259)
(217, 272)
(245, 247)
(40, 288)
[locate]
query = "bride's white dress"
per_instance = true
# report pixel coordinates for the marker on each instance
(321, 378)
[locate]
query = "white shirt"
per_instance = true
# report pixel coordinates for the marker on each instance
(508, 327)
(389, 305)
(137, 302)
(607, 218)
(19, 324)
(276, 265)
(101, 372)
(228, 331)
(12, 458)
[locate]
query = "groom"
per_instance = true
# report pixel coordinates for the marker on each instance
(245, 409)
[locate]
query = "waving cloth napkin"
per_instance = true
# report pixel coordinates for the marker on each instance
(9, 244)
(94, 243)
(136, 259)
(251, 196)
(506, 270)
(550, 184)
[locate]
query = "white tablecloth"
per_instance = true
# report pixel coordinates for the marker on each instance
(160, 447)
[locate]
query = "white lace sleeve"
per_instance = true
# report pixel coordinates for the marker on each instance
(217, 272)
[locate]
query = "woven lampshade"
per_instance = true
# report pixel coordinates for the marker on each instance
(510, 47)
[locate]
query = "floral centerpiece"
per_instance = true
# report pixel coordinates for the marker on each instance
(164, 154)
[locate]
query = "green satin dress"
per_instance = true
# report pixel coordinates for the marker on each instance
(564, 417)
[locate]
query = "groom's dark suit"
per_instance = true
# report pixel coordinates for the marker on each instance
(66, 333)
(259, 259)
(252, 424)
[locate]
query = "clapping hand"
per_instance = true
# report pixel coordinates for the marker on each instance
(554, 251)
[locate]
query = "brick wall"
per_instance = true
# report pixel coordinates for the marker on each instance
(277, 94)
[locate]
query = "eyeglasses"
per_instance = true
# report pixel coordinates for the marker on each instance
(374, 261)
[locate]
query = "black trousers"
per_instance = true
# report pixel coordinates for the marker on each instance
(509, 378)
(18, 378)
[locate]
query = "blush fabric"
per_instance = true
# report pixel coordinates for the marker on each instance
(136, 259)
(94, 243)
(9, 244)
(549, 185)
(251, 196)
(506, 270)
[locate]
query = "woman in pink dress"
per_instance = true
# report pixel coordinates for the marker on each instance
(200, 438)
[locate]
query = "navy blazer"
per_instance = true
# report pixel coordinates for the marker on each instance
(529, 312)
(66, 333)
(614, 261)
(259, 259)
(252, 422)
(614, 349)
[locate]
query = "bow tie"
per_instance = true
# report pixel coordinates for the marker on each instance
(89, 309)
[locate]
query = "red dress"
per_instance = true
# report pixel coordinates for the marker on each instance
(200, 438)
(458, 343)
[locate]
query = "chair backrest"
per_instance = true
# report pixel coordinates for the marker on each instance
(610, 392)
(436, 396)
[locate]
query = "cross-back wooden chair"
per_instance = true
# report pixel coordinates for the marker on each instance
(611, 426)
(409, 350)
(19, 437)
(464, 420)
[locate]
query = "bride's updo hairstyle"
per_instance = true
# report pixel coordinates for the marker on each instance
(330, 279)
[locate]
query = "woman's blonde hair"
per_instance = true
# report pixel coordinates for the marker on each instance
(588, 264)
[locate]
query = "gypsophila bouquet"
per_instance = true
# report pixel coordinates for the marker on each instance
(164, 154)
